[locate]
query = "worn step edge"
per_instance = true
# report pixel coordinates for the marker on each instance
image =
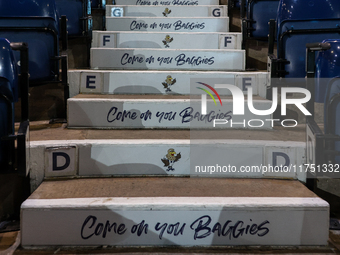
(278, 221)
(108, 158)
(162, 82)
(166, 40)
(164, 11)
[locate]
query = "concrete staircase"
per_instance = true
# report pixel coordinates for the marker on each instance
(132, 168)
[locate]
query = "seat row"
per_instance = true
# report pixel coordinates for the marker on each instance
(295, 27)
(290, 24)
(34, 36)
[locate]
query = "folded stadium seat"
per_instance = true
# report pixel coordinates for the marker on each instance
(323, 148)
(298, 23)
(94, 4)
(8, 95)
(332, 115)
(78, 14)
(234, 4)
(257, 14)
(79, 20)
(327, 89)
(327, 67)
(36, 23)
(9, 82)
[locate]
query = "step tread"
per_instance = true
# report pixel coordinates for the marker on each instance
(42, 131)
(168, 71)
(170, 187)
(149, 97)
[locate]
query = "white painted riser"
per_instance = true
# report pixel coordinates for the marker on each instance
(154, 24)
(170, 2)
(170, 11)
(151, 82)
(113, 158)
(163, 40)
(278, 221)
(158, 59)
(161, 113)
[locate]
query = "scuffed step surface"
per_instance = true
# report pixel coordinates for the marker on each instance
(41, 131)
(170, 187)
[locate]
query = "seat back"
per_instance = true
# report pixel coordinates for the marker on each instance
(259, 13)
(94, 3)
(332, 112)
(327, 66)
(302, 22)
(77, 13)
(36, 23)
(8, 95)
(306, 10)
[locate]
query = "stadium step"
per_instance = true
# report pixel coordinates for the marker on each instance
(165, 211)
(160, 59)
(276, 153)
(161, 24)
(162, 82)
(169, 112)
(166, 11)
(148, 156)
(163, 40)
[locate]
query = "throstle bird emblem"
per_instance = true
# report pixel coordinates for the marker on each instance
(170, 158)
(166, 12)
(168, 39)
(169, 81)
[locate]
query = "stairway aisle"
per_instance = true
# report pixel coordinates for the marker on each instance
(190, 178)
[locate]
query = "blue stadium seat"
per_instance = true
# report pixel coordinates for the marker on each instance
(323, 148)
(36, 23)
(258, 14)
(13, 159)
(300, 22)
(327, 67)
(327, 87)
(78, 14)
(8, 95)
(94, 3)
(332, 113)
(237, 3)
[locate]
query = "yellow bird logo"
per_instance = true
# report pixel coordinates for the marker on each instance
(169, 81)
(170, 158)
(166, 12)
(168, 39)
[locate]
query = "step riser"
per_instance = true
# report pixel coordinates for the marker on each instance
(170, 2)
(129, 158)
(134, 82)
(161, 11)
(189, 221)
(147, 59)
(168, 24)
(111, 113)
(229, 41)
